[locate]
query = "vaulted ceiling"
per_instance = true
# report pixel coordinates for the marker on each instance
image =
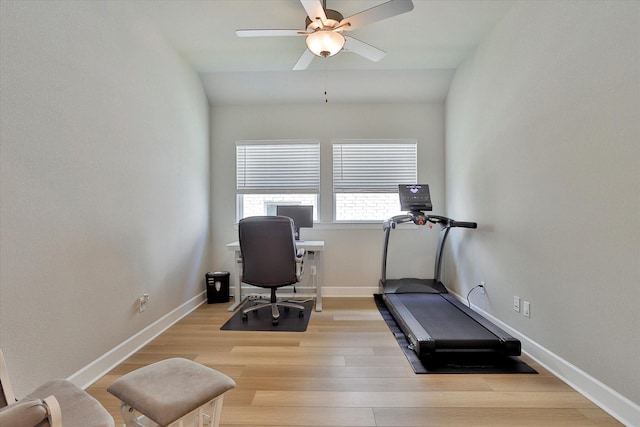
(424, 47)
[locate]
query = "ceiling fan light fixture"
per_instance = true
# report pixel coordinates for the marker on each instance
(325, 43)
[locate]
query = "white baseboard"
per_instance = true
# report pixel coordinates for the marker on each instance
(327, 291)
(99, 367)
(618, 406)
(349, 291)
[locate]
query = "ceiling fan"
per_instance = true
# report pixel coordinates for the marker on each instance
(324, 30)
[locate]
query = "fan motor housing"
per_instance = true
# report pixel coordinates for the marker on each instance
(333, 20)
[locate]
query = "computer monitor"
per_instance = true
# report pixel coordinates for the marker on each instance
(302, 216)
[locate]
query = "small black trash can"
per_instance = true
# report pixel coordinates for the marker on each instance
(217, 287)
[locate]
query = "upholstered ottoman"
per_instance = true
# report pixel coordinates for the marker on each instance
(170, 392)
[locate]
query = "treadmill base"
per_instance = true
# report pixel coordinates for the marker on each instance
(436, 323)
(453, 362)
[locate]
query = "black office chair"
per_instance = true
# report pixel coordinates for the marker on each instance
(270, 259)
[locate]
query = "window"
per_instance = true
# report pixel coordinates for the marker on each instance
(269, 173)
(366, 175)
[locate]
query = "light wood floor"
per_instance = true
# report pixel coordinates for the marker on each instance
(347, 370)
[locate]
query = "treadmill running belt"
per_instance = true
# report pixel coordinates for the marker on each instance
(446, 324)
(465, 362)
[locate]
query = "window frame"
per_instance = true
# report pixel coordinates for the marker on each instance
(408, 146)
(258, 175)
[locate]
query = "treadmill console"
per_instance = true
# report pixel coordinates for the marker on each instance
(414, 197)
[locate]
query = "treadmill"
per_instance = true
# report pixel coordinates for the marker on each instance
(433, 320)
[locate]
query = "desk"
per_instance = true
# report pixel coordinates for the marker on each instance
(314, 250)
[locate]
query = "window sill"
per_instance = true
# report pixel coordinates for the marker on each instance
(346, 225)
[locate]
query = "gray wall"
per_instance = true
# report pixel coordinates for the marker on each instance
(353, 251)
(542, 150)
(104, 183)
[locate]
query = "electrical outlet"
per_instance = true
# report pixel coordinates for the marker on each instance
(142, 302)
(516, 304)
(526, 308)
(313, 270)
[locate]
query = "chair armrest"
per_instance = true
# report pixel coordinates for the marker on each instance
(25, 413)
(300, 263)
(5, 384)
(54, 411)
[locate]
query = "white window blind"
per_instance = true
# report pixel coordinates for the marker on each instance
(373, 167)
(277, 167)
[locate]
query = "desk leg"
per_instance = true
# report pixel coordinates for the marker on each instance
(237, 293)
(318, 278)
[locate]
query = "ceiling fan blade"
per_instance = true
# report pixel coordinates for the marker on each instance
(314, 10)
(377, 13)
(363, 49)
(304, 61)
(269, 33)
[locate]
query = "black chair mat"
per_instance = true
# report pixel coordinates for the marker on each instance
(261, 320)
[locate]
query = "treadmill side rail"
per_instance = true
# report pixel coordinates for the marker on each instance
(419, 339)
(510, 346)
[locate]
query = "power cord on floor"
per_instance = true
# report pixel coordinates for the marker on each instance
(471, 290)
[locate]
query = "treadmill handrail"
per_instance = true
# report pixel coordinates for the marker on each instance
(398, 219)
(387, 225)
(448, 222)
(445, 223)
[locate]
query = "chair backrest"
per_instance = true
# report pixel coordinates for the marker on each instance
(268, 250)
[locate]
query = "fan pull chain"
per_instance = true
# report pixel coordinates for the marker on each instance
(326, 98)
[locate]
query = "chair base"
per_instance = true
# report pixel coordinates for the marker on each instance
(274, 303)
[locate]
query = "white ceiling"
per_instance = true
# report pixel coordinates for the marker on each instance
(423, 47)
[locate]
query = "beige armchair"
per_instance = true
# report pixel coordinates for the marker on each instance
(50, 405)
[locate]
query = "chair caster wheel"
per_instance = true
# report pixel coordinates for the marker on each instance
(274, 322)
(301, 313)
(245, 317)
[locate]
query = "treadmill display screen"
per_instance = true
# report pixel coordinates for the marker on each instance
(414, 197)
